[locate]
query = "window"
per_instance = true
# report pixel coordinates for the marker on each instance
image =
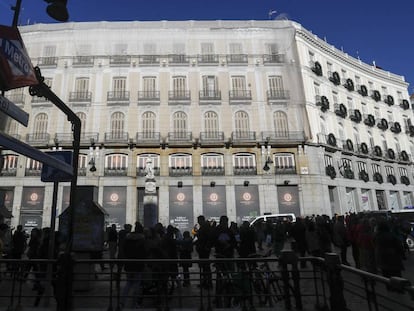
(33, 165)
(238, 85)
(142, 163)
(116, 162)
(82, 118)
(149, 84)
(40, 126)
(179, 85)
(207, 52)
(180, 161)
(311, 56)
(117, 124)
(402, 171)
(362, 166)
(335, 98)
(82, 85)
(212, 160)
(276, 86)
(284, 162)
(375, 168)
(179, 122)
(211, 122)
(317, 89)
(148, 123)
(83, 161)
(328, 161)
(280, 124)
(210, 86)
(49, 53)
(10, 162)
(389, 170)
(119, 86)
(12, 128)
(244, 160)
(350, 103)
(241, 122)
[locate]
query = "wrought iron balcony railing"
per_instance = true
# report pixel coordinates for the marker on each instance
(17, 99)
(278, 94)
(273, 58)
(240, 95)
(38, 138)
(148, 137)
(83, 61)
(210, 95)
(118, 96)
(245, 170)
(212, 171)
(179, 95)
(141, 171)
(282, 135)
(180, 171)
(116, 137)
(180, 136)
(117, 60)
(48, 61)
(211, 136)
(32, 172)
(178, 59)
(115, 171)
(149, 59)
(80, 96)
(243, 136)
(149, 96)
(8, 172)
(208, 59)
(285, 170)
(237, 59)
(89, 138)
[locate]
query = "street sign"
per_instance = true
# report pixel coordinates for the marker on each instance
(14, 111)
(16, 69)
(51, 174)
(16, 145)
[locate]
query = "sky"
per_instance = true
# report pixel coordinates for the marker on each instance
(374, 31)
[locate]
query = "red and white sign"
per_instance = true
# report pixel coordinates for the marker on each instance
(16, 69)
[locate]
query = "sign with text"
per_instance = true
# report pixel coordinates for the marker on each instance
(214, 202)
(247, 203)
(33, 198)
(114, 202)
(16, 69)
(14, 111)
(181, 208)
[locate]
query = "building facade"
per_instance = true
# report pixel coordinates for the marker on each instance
(238, 118)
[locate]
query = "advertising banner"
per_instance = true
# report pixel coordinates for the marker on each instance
(30, 221)
(181, 208)
(16, 69)
(114, 203)
(6, 198)
(288, 197)
(247, 203)
(214, 202)
(33, 198)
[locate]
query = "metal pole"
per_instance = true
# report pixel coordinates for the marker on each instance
(16, 10)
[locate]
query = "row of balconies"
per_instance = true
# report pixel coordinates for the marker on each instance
(363, 149)
(155, 138)
(155, 96)
(163, 60)
(348, 83)
(172, 171)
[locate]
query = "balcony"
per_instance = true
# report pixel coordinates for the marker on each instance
(89, 138)
(83, 61)
(212, 171)
(32, 172)
(64, 139)
(118, 97)
(211, 137)
(245, 170)
(80, 97)
(240, 96)
(179, 97)
(148, 138)
(116, 171)
(178, 60)
(283, 137)
(208, 59)
(149, 60)
(180, 137)
(237, 59)
(82, 171)
(278, 95)
(269, 59)
(148, 98)
(41, 102)
(117, 137)
(8, 172)
(119, 60)
(17, 99)
(38, 139)
(48, 61)
(180, 171)
(280, 170)
(243, 137)
(142, 172)
(210, 96)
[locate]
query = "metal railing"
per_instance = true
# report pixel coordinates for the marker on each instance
(280, 283)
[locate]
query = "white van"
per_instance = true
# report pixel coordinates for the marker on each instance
(274, 218)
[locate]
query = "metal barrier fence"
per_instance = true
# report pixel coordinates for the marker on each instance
(256, 283)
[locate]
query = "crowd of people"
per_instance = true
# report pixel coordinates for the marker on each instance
(376, 244)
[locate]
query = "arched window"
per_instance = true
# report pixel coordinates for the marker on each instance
(241, 122)
(40, 126)
(142, 163)
(117, 124)
(148, 122)
(212, 164)
(116, 164)
(244, 164)
(179, 122)
(211, 124)
(280, 124)
(341, 132)
(12, 128)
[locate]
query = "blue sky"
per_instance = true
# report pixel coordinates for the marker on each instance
(379, 31)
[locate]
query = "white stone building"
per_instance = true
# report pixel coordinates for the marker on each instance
(239, 118)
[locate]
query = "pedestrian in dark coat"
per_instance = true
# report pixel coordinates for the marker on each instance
(298, 233)
(340, 238)
(247, 245)
(389, 251)
(203, 244)
(185, 246)
(19, 243)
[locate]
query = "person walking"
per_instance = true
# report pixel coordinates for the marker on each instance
(112, 241)
(19, 243)
(185, 246)
(340, 238)
(203, 247)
